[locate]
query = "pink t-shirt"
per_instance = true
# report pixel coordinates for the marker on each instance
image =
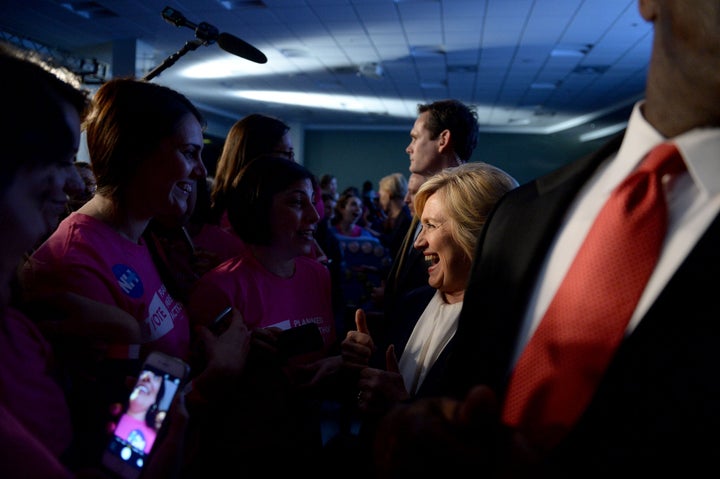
(265, 299)
(86, 256)
(136, 432)
(27, 387)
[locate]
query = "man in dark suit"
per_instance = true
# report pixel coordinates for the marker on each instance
(656, 408)
(443, 135)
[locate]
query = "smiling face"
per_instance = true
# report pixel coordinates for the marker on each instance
(37, 197)
(165, 181)
(293, 220)
(145, 393)
(448, 265)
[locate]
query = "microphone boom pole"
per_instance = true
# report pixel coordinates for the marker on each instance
(205, 34)
(170, 61)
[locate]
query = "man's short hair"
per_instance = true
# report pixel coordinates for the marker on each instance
(457, 117)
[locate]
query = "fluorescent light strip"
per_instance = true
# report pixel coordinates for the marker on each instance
(602, 132)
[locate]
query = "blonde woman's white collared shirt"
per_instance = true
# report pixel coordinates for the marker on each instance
(432, 332)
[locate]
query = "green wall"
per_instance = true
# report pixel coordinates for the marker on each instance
(356, 156)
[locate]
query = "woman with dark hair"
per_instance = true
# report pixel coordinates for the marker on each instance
(250, 137)
(273, 282)
(348, 215)
(273, 417)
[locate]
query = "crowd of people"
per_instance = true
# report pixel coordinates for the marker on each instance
(486, 340)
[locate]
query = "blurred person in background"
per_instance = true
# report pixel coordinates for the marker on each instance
(250, 137)
(392, 191)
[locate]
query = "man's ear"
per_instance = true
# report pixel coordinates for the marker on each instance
(444, 140)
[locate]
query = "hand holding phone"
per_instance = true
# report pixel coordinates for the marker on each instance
(161, 378)
(222, 349)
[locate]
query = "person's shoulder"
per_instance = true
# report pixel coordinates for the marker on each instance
(574, 172)
(76, 236)
(77, 230)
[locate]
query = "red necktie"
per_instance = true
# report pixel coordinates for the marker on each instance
(558, 371)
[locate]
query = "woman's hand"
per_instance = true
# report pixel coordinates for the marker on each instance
(378, 390)
(225, 357)
(358, 346)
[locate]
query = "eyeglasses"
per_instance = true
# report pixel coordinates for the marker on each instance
(289, 154)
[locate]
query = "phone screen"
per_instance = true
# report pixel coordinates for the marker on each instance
(143, 416)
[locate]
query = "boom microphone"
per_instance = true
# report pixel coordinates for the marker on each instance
(232, 44)
(208, 34)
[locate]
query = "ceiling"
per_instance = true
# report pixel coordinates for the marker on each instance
(528, 66)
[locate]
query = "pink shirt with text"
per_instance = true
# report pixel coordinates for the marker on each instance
(86, 256)
(265, 299)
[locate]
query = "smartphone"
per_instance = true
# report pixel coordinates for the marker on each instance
(299, 340)
(221, 321)
(160, 379)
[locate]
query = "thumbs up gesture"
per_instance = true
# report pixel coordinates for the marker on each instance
(358, 345)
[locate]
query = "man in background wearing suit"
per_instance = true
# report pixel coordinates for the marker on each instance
(444, 135)
(656, 408)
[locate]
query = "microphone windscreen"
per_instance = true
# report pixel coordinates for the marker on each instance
(234, 45)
